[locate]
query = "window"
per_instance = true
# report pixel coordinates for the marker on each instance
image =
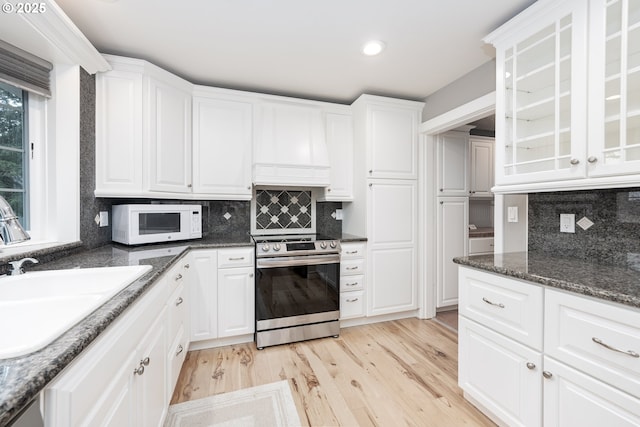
(14, 160)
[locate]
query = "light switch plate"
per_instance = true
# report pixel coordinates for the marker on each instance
(339, 214)
(567, 223)
(512, 214)
(104, 219)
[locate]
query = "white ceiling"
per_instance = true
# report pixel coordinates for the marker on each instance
(302, 48)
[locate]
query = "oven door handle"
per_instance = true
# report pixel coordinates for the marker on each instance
(292, 261)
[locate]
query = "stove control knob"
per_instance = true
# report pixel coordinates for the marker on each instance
(333, 244)
(323, 245)
(276, 247)
(265, 248)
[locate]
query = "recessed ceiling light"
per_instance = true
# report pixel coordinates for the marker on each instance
(373, 47)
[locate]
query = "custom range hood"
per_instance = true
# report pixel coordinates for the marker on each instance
(290, 145)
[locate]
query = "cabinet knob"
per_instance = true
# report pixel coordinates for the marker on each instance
(574, 161)
(189, 185)
(442, 203)
(370, 171)
(145, 361)
(178, 277)
(531, 365)
(179, 301)
(139, 370)
(187, 266)
(248, 187)
(592, 159)
(547, 374)
(180, 349)
(442, 189)
(328, 190)
(370, 185)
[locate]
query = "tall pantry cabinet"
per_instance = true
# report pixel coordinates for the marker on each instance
(386, 199)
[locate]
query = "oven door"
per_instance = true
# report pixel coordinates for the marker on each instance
(297, 290)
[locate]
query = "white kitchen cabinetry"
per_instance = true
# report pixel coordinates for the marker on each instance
(481, 167)
(480, 245)
(550, 59)
(588, 374)
(281, 125)
(222, 284)
(143, 131)
(178, 308)
(222, 133)
(452, 241)
(121, 379)
(352, 280)
(339, 137)
(453, 163)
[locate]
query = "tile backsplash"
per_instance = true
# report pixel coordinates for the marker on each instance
(614, 238)
(284, 210)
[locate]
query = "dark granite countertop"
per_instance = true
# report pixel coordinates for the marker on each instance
(607, 282)
(345, 237)
(22, 378)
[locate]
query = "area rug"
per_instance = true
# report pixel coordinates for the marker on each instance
(262, 406)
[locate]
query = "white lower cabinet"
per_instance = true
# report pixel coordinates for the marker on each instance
(500, 374)
(587, 375)
(352, 280)
(236, 296)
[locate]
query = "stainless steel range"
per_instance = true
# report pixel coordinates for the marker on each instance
(297, 288)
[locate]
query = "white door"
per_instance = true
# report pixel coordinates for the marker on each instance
(572, 398)
(503, 376)
(203, 286)
(339, 131)
(236, 301)
(481, 168)
(453, 164)
(452, 241)
(169, 137)
(393, 142)
(222, 132)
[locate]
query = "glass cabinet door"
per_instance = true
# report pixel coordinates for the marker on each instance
(543, 102)
(615, 84)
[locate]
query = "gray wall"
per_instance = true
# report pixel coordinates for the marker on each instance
(472, 85)
(613, 239)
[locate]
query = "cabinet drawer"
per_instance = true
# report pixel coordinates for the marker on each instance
(509, 306)
(235, 257)
(575, 323)
(480, 245)
(177, 311)
(351, 283)
(351, 267)
(352, 250)
(351, 304)
(177, 353)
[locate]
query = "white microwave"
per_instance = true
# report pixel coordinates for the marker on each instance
(140, 224)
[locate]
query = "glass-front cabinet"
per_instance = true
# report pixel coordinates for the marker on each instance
(614, 128)
(544, 101)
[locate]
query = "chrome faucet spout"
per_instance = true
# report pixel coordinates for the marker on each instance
(10, 229)
(16, 266)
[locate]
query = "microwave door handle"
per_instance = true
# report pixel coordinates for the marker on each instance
(297, 261)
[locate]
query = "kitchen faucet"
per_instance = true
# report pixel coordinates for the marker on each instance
(10, 229)
(16, 266)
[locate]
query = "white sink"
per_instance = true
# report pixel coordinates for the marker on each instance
(38, 307)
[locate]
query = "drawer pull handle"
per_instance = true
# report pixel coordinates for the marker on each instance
(531, 365)
(351, 284)
(179, 301)
(352, 300)
(607, 346)
(352, 268)
(241, 258)
(499, 304)
(351, 252)
(547, 374)
(180, 349)
(178, 277)
(187, 266)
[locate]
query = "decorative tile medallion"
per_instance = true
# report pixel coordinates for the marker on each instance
(283, 210)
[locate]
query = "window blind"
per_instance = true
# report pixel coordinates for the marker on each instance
(24, 70)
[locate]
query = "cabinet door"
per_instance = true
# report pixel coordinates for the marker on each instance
(169, 137)
(541, 64)
(481, 168)
(392, 262)
(118, 133)
(614, 76)
(453, 223)
(453, 165)
(236, 301)
(503, 376)
(204, 294)
(151, 382)
(572, 398)
(393, 142)
(222, 132)
(339, 131)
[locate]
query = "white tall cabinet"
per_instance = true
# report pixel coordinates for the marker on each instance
(385, 200)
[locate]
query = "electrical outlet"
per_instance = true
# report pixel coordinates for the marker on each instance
(567, 223)
(104, 219)
(339, 214)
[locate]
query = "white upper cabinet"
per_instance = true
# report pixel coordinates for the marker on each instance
(391, 132)
(289, 145)
(339, 134)
(481, 167)
(614, 102)
(222, 132)
(453, 164)
(169, 134)
(551, 59)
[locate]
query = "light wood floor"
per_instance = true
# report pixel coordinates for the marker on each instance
(449, 318)
(386, 374)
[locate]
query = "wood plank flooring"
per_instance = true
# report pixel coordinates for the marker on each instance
(386, 374)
